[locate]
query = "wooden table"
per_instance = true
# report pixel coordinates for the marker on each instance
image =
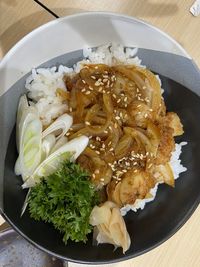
(18, 17)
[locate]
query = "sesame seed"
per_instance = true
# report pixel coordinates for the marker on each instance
(96, 171)
(87, 93)
(150, 109)
(67, 134)
(121, 114)
(102, 179)
(83, 81)
(113, 78)
(103, 146)
(104, 91)
(90, 137)
(97, 152)
(93, 175)
(135, 171)
(96, 67)
(110, 128)
(93, 77)
(105, 76)
(83, 90)
(105, 131)
(105, 80)
(70, 109)
(97, 83)
(144, 87)
(134, 163)
(87, 123)
(109, 143)
(117, 118)
(115, 125)
(137, 90)
(150, 165)
(114, 95)
(91, 88)
(125, 98)
(111, 149)
(106, 72)
(138, 106)
(118, 100)
(146, 115)
(100, 89)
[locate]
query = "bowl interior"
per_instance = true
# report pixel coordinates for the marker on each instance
(147, 228)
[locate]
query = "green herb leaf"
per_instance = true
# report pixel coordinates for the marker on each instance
(65, 199)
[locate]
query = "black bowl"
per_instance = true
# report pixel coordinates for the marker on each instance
(147, 228)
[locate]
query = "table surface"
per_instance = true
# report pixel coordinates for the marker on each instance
(19, 17)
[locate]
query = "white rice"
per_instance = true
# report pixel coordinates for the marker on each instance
(43, 83)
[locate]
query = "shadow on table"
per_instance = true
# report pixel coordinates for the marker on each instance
(137, 8)
(25, 25)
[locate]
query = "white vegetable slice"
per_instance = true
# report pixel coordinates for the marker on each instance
(30, 136)
(17, 167)
(59, 127)
(61, 142)
(47, 144)
(71, 149)
(22, 106)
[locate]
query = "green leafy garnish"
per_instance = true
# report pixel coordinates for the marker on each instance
(65, 199)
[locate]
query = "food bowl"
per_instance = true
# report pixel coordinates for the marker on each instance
(61, 42)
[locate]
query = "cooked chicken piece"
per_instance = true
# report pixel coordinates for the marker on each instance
(164, 173)
(172, 120)
(135, 185)
(113, 192)
(166, 146)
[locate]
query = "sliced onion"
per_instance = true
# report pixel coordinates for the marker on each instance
(61, 142)
(59, 127)
(48, 143)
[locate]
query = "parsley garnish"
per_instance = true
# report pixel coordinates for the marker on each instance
(65, 199)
